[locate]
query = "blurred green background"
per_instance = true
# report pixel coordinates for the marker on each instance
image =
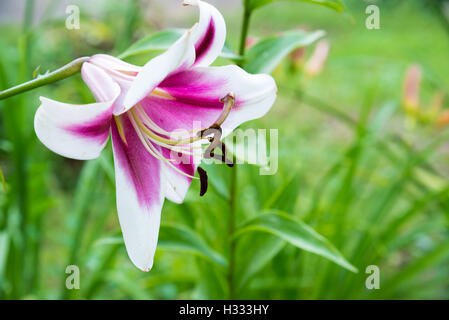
(357, 163)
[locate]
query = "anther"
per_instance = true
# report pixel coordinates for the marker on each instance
(203, 180)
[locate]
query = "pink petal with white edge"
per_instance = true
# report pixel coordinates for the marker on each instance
(73, 131)
(196, 93)
(210, 35)
(140, 192)
(78, 131)
(178, 57)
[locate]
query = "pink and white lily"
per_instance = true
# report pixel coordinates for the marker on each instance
(140, 107)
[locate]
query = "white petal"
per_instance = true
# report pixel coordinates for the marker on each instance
(210, 35)
(103, 87)
(106, 61)
(178, 57)
(140, 188)
(78, 131)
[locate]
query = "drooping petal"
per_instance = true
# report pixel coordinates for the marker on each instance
(106, 61)
(78, 131)
(194, 98)
(177, 183)
(140, 189)
(103, 87)
(210, 35)
(178, 57)
(121, 72)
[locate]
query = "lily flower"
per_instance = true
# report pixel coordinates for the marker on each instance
(142, 108)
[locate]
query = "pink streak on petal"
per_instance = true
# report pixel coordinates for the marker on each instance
(206, 42)
(195, 88)
(174, 115)
(142, 169)
(185, 162)
(96, 129)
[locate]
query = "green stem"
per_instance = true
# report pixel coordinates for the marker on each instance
(231, 231)
(245, 29)
(62, 73)
(233, 183)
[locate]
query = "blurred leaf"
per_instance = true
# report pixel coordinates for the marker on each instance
(183, 239)
(210, 284)
(155, 42)
(268, 53)
(298, 234)
(336, 5)
(284, 198)
(177, 238)
(2, 180)
(162, 40)
(4, 248)
(245, 154)
(431, 259)
(255, 250)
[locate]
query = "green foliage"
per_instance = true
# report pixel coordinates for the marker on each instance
(336, 5)
(179, 238)
(266, 55)
(162, 40)
(297, 234)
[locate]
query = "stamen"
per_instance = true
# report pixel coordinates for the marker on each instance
(120, 129)
(150, 147)
(203, 179)
(151, 135)
(158, 138)
(161, 94)
(229, 102)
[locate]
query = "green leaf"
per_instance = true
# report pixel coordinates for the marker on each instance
(285, 197)
(4, 248)
(267, 54)
(155, 42)
(162, 40)
(431, 259)
(180, 238)
(177, 238)
(298, 234)
(336, 5)
(173, 237)
(254, 251)
(211, 284)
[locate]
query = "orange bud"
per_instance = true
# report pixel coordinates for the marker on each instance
(412, 84)
(316, 62)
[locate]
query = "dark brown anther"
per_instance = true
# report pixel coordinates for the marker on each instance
(203, 181)
(215, 142)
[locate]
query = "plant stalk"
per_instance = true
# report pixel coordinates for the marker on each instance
(62, 73)
(233, 182)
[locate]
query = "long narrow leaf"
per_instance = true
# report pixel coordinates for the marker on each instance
(298, 234)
